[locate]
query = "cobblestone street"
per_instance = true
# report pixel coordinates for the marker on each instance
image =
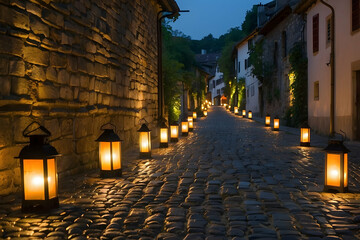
(231, 178)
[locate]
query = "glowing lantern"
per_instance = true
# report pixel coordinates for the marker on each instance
(184, 127)
(174, 132)
(229, 107)
(267, 120)
(236, 110)
(336, 166)
(145, 141)
(164, 135)
(194, 116)
(205, 112)
(38, 169)
(276, 124)
(191, 123)
(243, 113)
(250, 115)
(225, 105)
(109, 152)
(305, 135)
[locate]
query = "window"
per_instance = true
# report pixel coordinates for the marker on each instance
(246, 63)
(315, 33)
(328, 31)
(250, 44)
(275, 53)
(252, 90)
(247, 92)
(283, 44)
(355, 13)
(218, 92)
(316, 90)
(239, 66)
(214, 84)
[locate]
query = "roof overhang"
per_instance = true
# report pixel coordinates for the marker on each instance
(169, 5)
(245, 39)
(275, 20)
(304, 5)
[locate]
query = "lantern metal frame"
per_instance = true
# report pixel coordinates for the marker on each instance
(236, 110)
(243, 114)
(276, 119)
(337, 147)
(267, 120)
(194, 116)
(183, 121)
(163, 126)
(173, 125)
(205, 113)
(39, 149)
(304, 128)
(191, 123)
(110, 136)
(144, 128)
(250, 116)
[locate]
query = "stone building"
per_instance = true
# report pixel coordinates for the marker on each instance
(74, 66)
(280, 29)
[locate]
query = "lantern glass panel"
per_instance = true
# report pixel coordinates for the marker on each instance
(174, 131)
(34, 188)
(250, 115)
(267, 120)
(184, 127)
(194, 115)
(333, 169)
(105, 155)
(145, 144)
(305, 135)
(236, 110)
(52, 178)
(244, 113)
(163, 135)
(276, 123)
(191, 124)
(345, 169)
(205, 113)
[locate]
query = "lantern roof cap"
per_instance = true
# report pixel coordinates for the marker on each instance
(144, 128)
(38, 152)
(267, 115)
(108, 136)
(174, 123)
(335, 145)
(163, 124)
(276, 117)
(304, 125)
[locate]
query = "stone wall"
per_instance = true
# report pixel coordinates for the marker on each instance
(73, 66)
(279, 91)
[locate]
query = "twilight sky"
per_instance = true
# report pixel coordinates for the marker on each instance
(212, 16)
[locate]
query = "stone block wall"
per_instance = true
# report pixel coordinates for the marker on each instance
(293, 26)
(74, 66)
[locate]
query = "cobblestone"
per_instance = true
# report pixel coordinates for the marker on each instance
(231, 178)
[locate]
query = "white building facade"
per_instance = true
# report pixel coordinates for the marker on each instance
(243, 70)
(217, 86)
(346, 66)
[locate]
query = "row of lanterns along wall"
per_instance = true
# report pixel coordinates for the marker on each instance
(336, 154)
(38, 164)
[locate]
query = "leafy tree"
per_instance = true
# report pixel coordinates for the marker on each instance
(250, 22)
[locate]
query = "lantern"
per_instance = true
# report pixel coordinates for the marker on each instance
(184, 127)
(164, 135)
(267, 120)
(194, 116)
(191, 123)
(229, 107)
(174, 132)
(225, 105)
(250, 115)
(145, 141)
(236, 110)
(305, 135)
(243, 113)
(109, 152)
(38, 169)
(205, 112)
(336, 166)
(276, 124)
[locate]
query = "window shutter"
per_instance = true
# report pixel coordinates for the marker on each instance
(316, 33)
(355, 14)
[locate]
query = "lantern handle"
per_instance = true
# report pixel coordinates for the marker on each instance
(343, 135)
(27, 132)
(110, 124)
(143, 120)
